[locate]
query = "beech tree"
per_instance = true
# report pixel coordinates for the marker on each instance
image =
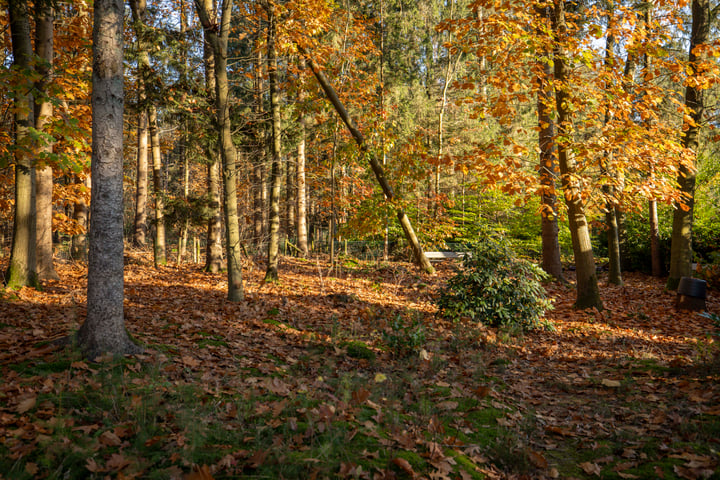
(104, 327)
(22, 269)
(681, 250)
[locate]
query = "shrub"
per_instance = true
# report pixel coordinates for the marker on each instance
(496, 288)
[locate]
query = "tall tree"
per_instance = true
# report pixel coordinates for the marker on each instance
(217, 35)
(271, 273)
(104, 328)
(301, 197)
(141, 177)
(44, 32)
(551, 261)
(587, 292)
(21, 271)
(681, 248)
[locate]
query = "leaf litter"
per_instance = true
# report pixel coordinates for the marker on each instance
(628, 392)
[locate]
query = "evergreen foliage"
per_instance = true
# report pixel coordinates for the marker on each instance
(496, 288)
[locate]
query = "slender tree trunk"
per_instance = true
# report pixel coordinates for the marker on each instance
(141, 191)
(79, 246)
(300, 194)
(104, 328)
(551, 260)
(290, 197)
(681, 253)
(271, 273)
(159, 248)
(22, 269)
(655, 254)
(377, 169)
(219, 41)
(213, 244)
(259, 191)
(44, 33)
(588, 294)
(184, 231)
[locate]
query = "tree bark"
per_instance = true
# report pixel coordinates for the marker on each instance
(587, 294)
(104, 328)
(377, 169)
(271, 273)
(44, 33)
(300, 194)
(213, 244)
(219, 40)
(551, 260)
(655, 255)
(681, 253)
(79, 247)
(22, 268)
(159, 249)
(141, 190)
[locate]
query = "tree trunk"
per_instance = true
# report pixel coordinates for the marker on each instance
(44, 33)
(588, 294)
(79, 247)
(271, 274)
(551, 260)
(377, 169)
(219, 41)
(259, 191)
(300, 193)
(141, 190)
(681, 254)
(104, 328)
(611, 222)
(213, 244)
(159, 249)
(21, 270)
(290, 201)
(655, 254)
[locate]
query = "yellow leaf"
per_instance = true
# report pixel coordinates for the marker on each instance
(380, 377)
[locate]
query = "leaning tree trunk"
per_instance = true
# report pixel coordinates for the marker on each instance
(377, 169)
(21, 271)
(271, 274)
(44, 32)
(588, 294)
(219, 41)
(681, 248)
(104, 328)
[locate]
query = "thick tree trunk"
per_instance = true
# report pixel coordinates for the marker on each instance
(141, 189)
(588, 294)
(271, 274)
(219, 41)
(21, 270)
(377, 169)
(681, 253)
(159, 248)
(104, 327)
(44, 33)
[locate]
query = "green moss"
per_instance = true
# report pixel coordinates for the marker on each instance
(357, 349)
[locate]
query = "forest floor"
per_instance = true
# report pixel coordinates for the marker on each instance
(352, 375)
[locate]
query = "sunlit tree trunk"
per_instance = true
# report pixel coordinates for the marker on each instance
(551, 260)
(290, 201)
(300, 195)
(681, 249)
(655, 254)
(588, 294)
(219, 42)
(104, 328)
(44, 33)
(159, 248)
(271, 274)
(141, 189)
(213, 243)
(79, 246)
(21, 271)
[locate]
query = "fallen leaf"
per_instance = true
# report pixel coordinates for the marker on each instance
(404, 465)
(610, 383)
(538, 460)
(590, 468)
(26, 405)
(380, 377)
(199, 473)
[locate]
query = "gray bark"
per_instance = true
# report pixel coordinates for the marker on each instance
(104, 328)
(271, 274)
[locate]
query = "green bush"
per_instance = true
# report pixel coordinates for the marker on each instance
(496, 288)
